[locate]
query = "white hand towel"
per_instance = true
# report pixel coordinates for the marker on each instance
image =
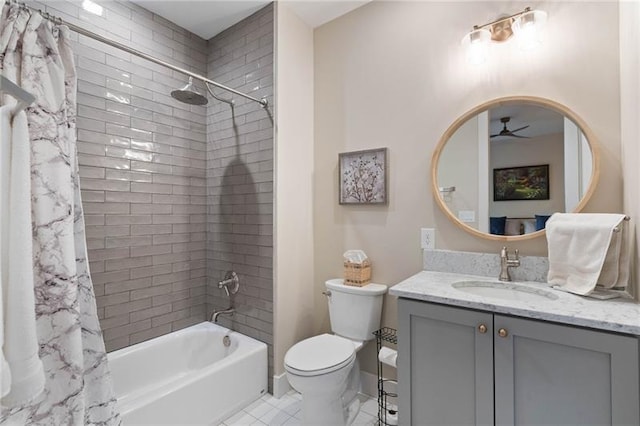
(5, 153)
(583, 251)
(21, 342)
(624, 264)
(611, 267)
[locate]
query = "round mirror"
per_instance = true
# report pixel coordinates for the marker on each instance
(504, 167)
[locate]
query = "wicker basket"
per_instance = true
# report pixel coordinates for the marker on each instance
(357, 274)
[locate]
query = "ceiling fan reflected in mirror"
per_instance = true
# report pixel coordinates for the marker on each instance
(507, 132)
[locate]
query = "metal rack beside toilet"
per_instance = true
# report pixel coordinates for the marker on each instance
(385, 410)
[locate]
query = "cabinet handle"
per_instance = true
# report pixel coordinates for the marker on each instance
(482, 328)
(503, 332)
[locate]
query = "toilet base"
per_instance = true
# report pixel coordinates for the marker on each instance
(328, 411)
(339, 409)
(352, 410)
(323, 410)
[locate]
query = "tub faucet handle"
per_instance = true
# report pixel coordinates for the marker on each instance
(230, 280)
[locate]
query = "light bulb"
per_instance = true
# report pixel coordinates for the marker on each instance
(527, 28)
(477, 42)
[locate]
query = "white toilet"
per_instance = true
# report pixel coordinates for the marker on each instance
(324, 368)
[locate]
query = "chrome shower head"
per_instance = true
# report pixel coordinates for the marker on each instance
(189, 95)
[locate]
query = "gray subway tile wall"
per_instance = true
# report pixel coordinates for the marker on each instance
(240, 177)
(142, 159)
(174, 195)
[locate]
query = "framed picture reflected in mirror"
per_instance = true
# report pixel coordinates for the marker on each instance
(521, 183)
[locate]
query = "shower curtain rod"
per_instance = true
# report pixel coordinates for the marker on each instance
(23, 97)
(263, 102)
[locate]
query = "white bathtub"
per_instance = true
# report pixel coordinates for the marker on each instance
(188, 377)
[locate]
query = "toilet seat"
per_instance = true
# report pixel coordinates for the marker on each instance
(319, 355)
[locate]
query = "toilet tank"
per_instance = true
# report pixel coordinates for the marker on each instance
(355, 311)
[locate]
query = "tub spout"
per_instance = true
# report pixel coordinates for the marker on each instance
(216, 314)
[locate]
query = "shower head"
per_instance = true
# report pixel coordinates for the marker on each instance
(189, 94)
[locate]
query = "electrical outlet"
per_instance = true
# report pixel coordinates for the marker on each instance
(467, 215)
(428, 238)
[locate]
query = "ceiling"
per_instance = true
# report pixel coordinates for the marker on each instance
(541, 120)
(206, 18)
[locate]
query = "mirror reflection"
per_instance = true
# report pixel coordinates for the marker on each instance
(507, 168)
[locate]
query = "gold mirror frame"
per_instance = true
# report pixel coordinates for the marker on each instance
(510, 100)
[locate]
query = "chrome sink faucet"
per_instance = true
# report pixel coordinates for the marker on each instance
(506, 263)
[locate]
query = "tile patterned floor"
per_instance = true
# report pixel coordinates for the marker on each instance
(269, 410)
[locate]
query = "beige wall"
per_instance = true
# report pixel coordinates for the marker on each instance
(630, 125)
(294, 295)
(459, 167)
(394, 74)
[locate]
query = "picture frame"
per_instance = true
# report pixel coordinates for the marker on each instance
(362, 177)
(523, 183)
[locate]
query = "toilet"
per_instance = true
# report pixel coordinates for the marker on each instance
(324, 368)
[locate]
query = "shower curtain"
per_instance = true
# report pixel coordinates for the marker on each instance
(36, 54)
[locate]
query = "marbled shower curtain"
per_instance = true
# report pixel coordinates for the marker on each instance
(36, 54)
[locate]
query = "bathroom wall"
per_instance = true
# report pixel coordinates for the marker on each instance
(459, 167)
(240, 176)
(390, 74)
(630, 125)
(142, 172)
(294, 298)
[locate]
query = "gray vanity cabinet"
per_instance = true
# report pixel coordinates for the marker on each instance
(445, 365)
(464, 367)
(551, 374)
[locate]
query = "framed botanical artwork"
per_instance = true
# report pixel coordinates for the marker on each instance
(521, 183)
(363, 177)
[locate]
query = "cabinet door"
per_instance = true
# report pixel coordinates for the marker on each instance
(550, 374)
(445, 365)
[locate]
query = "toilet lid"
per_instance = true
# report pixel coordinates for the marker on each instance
(319, 355)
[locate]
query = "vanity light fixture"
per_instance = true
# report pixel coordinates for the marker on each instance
(527, 28)
(477, 43)
(525, 25)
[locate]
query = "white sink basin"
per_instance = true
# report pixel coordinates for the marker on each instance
(507, 291)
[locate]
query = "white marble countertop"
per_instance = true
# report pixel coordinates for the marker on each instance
(619, 315)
